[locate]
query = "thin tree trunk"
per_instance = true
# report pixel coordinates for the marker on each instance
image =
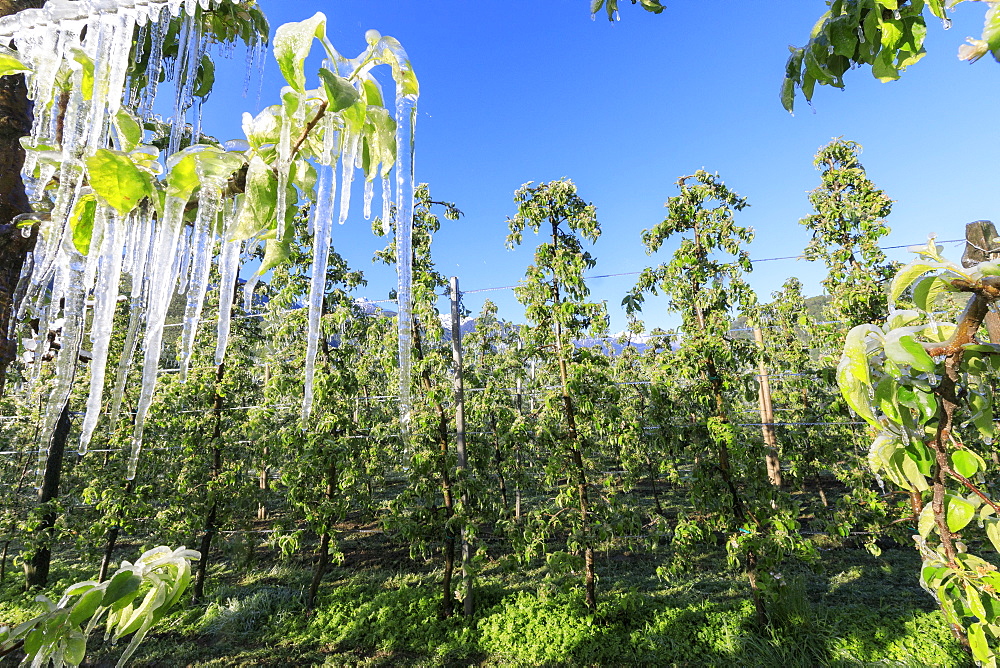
(211, 521)
(447, 601)
(323, 558)
(36, 568)
(573, 439)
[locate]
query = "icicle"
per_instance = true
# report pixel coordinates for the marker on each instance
(251, 284)
(406, 118)
(203, 243)
(386, 207)
(93, 258)
(66, 359)
(283, 166)
(160, 289)
(252, 49)
(105, 302)
(229, 271)
(326, 191)
(137, 313)
(351, 149)
(185, 73)
(184, 257)
(369, 193)
(155, 63)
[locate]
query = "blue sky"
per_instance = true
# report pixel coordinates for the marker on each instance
(532, 91)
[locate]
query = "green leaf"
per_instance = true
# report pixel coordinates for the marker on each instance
(206, 77)
(340, 94)
(33, 642)
(257, 205)
(121, 586)
(10, 63)
(926, 523)
(75, 648)
(927, 290)
(87, 65)
(130, 132)
(117, 180)
(81, 222)
(958, 512)
(993, 531)
(188, 167)
(965, 463)
(292, 43)
(978, 643)
(86, 606)
(975, 604)
(907, 274)
(903, 349)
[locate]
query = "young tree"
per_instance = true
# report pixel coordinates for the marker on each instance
(554, 295)
(846, 229)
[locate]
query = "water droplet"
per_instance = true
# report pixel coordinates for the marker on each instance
(861, 35)
(946, 23)
(896, 15)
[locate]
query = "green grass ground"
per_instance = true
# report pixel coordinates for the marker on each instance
(379, 608)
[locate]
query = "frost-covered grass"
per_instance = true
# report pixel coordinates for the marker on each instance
(378, 610)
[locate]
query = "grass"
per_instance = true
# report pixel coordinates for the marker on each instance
(379, 610)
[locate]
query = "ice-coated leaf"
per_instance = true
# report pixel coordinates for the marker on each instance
(122, 584)
(907, 274)
(86, 606)
(856, 392)
(117, 180)
(264, 127)
(10, 63)
(86, 63)
(925, 523)
(76, 648)
(292, 43)
(340, 94)
(957, 512)
(81, 222)
(129, 130)
(187, 167)
(902, 318)
(927, 290)
(965, 463)
(260, 197)
(856, 350)
(904, 350)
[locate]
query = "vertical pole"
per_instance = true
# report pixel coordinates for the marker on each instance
(456, 352)
(767, 415)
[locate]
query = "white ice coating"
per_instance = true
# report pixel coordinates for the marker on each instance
(229, 265)
(105, 301)
(201, 252)
(322, 225)
(406, 118)
(161, 285)
(151, 250)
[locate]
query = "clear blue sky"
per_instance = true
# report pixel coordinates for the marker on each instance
(532, 91)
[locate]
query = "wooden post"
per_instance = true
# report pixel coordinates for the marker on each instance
(456, 352)
(767, 415)
(980, 245)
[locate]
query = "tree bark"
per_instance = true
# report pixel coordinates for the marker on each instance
(15, 122)
(211, 522)
(36, 568)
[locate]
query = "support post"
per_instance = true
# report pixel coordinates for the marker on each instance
(767, 415)
(456, 352)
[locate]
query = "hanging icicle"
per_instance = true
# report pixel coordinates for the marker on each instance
(78, 54)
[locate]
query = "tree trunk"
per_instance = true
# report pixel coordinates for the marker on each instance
(36, 568)
(324, 544)
(211, 522)
(15, 122)
(767, 415)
